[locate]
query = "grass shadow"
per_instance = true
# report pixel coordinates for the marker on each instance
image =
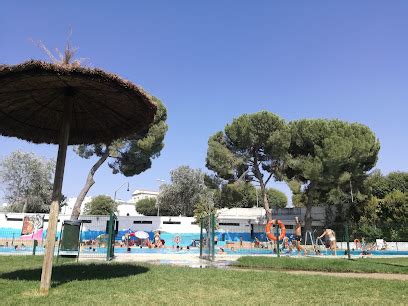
(77, 272)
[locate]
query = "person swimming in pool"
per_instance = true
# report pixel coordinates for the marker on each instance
(331, 237)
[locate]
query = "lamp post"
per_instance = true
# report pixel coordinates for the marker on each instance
(114, 197)
(157, 202)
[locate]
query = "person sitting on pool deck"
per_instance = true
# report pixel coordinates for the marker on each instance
(331, 237)
(298, 234)
(257, 243)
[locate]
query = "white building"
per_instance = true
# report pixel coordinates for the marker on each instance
(127, 209)
(143, 194)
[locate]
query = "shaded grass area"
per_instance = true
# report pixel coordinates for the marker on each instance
(77, 272)
(116, 283)
(361, 265)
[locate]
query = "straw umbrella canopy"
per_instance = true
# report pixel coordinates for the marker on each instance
(105, 107)
(67, 104)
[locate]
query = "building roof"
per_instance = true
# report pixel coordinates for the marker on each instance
(144, 191)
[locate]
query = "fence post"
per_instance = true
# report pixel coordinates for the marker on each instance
(277, 238)
(110, 234)
(346, 236)
(212, 236)
(35, 243)
(201, 237)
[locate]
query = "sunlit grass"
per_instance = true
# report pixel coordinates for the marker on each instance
(122, 283)
(367, 265)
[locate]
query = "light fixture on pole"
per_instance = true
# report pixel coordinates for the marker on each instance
(127, 189)
(157, 202)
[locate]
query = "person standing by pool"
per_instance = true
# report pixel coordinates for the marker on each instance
(331, 237)
(257, 243)
(157, 240)
(298, 234)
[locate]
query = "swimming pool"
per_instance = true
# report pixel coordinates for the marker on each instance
(194, 250)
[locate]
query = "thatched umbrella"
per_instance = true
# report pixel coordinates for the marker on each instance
(67, 104)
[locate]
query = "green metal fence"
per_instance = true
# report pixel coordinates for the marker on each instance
(207, 237)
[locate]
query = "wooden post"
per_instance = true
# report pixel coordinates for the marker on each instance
(56, 197)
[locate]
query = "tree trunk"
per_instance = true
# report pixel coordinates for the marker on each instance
(265, 202)
(25, 206)
(309, 205)
(258, 175)
(76, 211)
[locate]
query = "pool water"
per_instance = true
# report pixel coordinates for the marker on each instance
(193, 250)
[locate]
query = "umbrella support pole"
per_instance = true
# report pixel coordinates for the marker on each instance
(56, 198)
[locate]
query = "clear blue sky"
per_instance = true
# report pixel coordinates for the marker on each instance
(211, 61)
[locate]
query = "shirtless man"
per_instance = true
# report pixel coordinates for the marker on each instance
(298, 234)
(157, 240)
(331, 237)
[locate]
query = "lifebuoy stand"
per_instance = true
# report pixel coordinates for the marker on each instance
(270, 235)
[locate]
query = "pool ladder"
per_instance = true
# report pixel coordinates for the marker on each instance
(315, 243)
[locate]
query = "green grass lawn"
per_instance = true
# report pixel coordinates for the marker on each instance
(120, 283)
(366, 265)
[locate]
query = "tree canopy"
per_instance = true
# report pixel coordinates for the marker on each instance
(298, 196)
(183, 193)
(245, 195)
(147, 207)
(394, 209)
(204, 207)
(100, 205)
(238, 194)
(329, 154)
(252, 148)
(381, 185)
(276, 198)
(129, 156)
(27, 182)
(382, 209)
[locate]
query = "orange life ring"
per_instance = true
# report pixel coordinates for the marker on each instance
(357, 244)
(271, 235)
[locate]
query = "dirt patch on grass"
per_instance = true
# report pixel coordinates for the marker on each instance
(388, 276)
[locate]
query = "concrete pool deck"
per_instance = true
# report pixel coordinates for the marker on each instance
(186, 260)
(194, 261)
(226, 262)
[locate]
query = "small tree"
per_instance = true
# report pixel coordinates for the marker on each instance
(251, 148)
(238, 194)
(398, 180)
(100, 205)
(205, 207)
(244, 194)
(277, 198)
(298, 196)
(129, 156)
(27, 182)
(394, 214)
(147, 206)
(183, 193)
(377, 184)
